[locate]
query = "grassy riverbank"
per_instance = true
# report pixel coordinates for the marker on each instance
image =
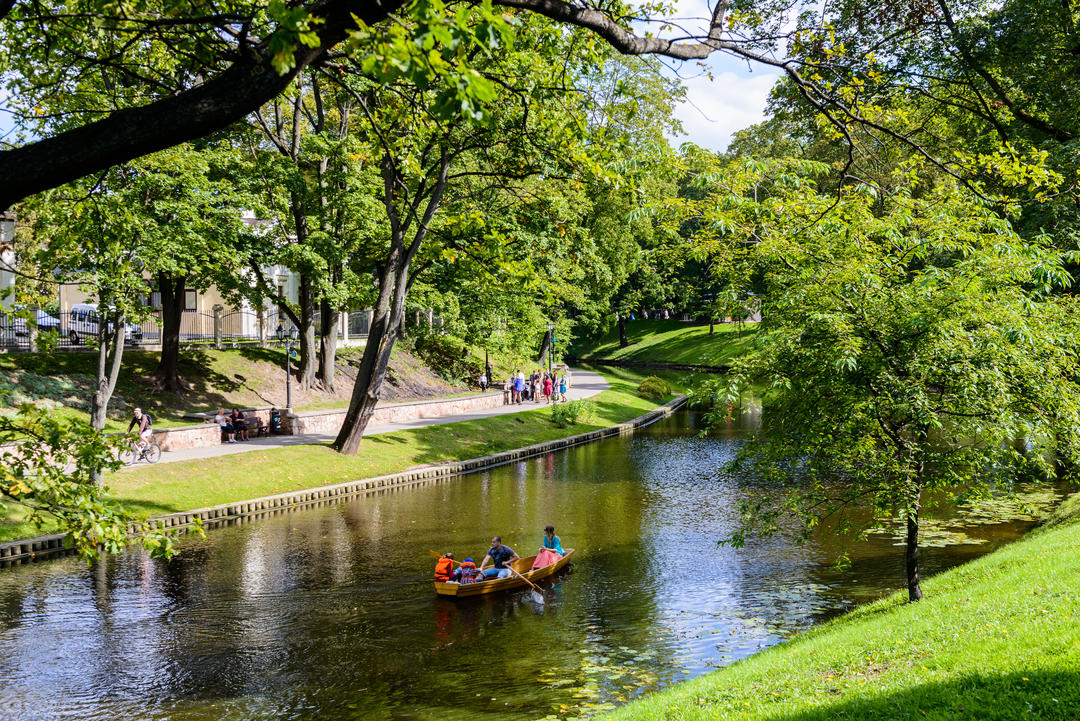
(670, 341)
(995, 639)
(186, 485)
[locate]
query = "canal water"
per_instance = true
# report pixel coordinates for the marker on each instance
(329, 613)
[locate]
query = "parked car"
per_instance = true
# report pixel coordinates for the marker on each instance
(83, 323)
(45, 324)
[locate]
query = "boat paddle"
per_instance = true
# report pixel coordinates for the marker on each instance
(535, 594)
(436, 554)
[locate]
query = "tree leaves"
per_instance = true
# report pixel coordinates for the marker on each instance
(47, 465)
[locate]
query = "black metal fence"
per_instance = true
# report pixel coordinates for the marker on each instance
(79, 329)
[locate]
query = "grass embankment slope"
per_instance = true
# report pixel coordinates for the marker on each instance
(995, 639)
(670, 341)
(187, 485)
(215, 379)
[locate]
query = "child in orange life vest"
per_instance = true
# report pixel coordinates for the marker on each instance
(444, 568)
(468, 573)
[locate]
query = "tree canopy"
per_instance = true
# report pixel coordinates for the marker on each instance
(907, 342)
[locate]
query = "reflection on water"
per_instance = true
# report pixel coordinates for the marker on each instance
(329, 613)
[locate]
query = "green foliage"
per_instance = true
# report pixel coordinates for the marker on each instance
(46, 468)
(572, 413)
(654, 388)
(446, 354)
(441, 49)
(906, 342)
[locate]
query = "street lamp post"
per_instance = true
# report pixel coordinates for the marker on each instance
(288, 337)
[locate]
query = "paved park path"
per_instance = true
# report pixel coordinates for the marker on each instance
(584, 385)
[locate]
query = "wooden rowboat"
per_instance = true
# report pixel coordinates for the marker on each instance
(497, 585)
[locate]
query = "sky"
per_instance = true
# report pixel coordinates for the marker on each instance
(734, 98)
(730, 101)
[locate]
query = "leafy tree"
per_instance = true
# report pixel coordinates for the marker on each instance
(91, 234)
(432, 167)
(182, 71)
(906, 343)
(48, 467)
(320, 199)
(634, 105)
(191, 231)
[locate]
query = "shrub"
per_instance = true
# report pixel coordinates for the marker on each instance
(569, 414)
(654, 389)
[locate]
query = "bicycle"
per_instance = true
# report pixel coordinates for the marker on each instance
(132, 454)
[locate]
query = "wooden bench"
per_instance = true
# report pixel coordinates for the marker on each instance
(256, 428)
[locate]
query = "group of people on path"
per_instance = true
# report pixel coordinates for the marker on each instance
(236, 426)
(539, 387)
(500, 557)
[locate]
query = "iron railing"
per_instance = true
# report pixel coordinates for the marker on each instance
(78, 330)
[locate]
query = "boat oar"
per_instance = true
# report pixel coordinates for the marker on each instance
(536, 595)
(436, 554)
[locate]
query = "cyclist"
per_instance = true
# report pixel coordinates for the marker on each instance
(144, 421)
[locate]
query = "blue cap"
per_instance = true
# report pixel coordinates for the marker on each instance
(469, 560)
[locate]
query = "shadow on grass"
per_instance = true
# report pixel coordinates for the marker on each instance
(143, 508)
(270, 354)
(1044, 695)
(689, 343)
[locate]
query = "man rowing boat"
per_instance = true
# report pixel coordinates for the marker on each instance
(500, 556)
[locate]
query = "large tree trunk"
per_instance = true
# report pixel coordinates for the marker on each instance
(110, 354)
(389, 312)
(167, 376)
(545, 348)
(623, 342)
(386, 323)
(329, 317)
(308, 362)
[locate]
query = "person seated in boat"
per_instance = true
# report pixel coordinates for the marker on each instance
(468, 573)
(444, 568)
(551, 541)
(500, 556)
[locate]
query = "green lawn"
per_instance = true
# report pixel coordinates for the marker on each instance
(186, 485)
(994, 640)
(670, 341)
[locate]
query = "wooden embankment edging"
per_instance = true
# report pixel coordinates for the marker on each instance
(33, 549)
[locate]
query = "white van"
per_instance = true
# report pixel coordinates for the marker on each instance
(83, 323)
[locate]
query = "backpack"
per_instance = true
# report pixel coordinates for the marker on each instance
(149, 419)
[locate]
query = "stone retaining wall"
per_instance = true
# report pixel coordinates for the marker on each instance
(241, 511)
(203, 435)
(330, 421)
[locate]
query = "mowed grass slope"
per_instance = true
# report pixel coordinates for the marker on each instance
(670, 341)
(187, 485)
(997, 639)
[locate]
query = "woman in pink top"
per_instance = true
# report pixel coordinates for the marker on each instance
(548, 388)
